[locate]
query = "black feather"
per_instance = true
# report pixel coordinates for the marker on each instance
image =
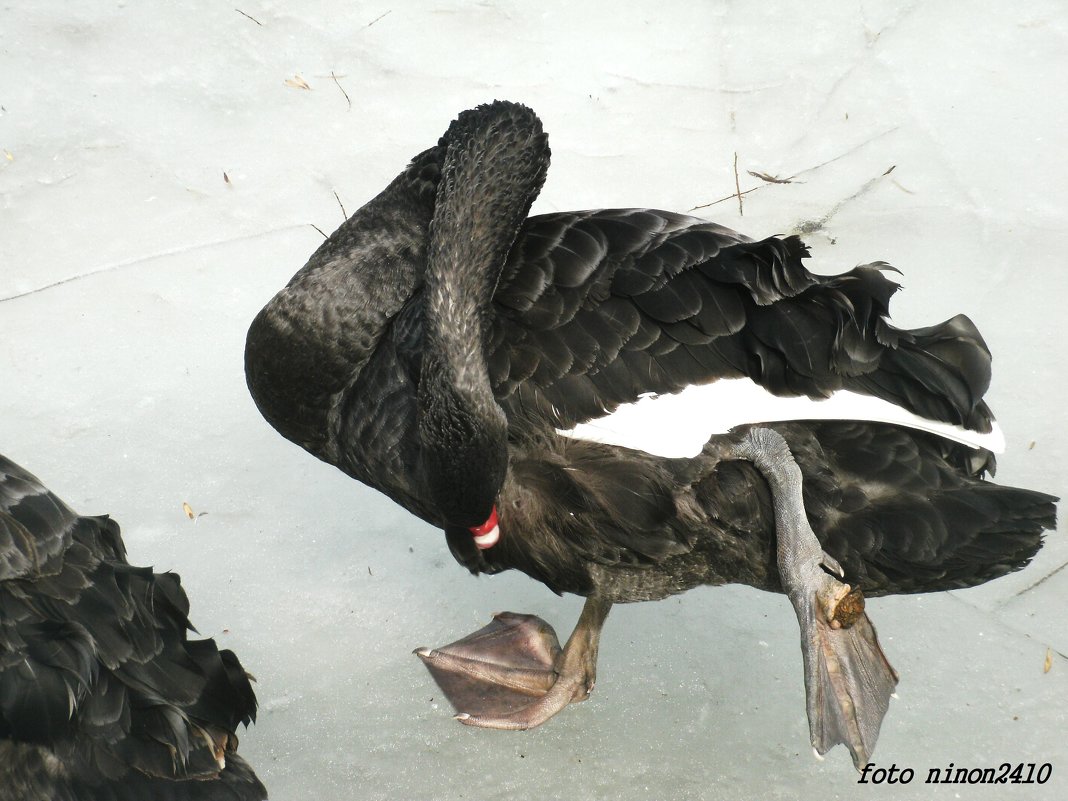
(102, 695)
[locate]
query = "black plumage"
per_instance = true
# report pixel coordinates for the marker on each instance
(434, 346)
(102, 694)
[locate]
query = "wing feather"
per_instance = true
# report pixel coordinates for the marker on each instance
(596, 308)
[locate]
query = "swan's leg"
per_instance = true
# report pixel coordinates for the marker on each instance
(848, 680)
(512, 674)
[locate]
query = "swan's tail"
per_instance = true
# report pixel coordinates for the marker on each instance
(903, 511)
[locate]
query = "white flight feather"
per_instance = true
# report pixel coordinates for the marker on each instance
(679, 424)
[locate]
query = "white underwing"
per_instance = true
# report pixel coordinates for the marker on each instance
(678, 425)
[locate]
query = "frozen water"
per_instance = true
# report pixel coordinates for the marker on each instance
(160, 180)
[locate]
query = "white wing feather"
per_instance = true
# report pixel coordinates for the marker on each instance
(679, 424)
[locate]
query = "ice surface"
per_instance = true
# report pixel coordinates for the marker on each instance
(130, 269)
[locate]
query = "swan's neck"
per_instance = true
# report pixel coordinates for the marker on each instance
(494, 166)
(495, 163)
(311, 341)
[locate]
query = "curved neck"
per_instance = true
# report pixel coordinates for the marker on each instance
(308, 345)
(495, 162)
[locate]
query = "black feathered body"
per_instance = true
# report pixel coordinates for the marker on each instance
(901, 510)
(584, 311)
(102, 694)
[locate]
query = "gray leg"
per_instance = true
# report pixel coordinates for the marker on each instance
(848, 680)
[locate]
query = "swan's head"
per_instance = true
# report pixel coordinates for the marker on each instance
(464, 439)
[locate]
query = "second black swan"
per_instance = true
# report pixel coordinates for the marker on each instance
(103, 697)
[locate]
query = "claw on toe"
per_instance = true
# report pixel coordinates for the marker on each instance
(832, 565)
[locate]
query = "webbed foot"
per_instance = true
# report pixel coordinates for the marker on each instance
(848, 679)
(512, 673)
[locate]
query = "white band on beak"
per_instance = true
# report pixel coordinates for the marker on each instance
(489, 539)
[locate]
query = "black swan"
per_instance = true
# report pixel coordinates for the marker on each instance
(102, 696)
(462, 358)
